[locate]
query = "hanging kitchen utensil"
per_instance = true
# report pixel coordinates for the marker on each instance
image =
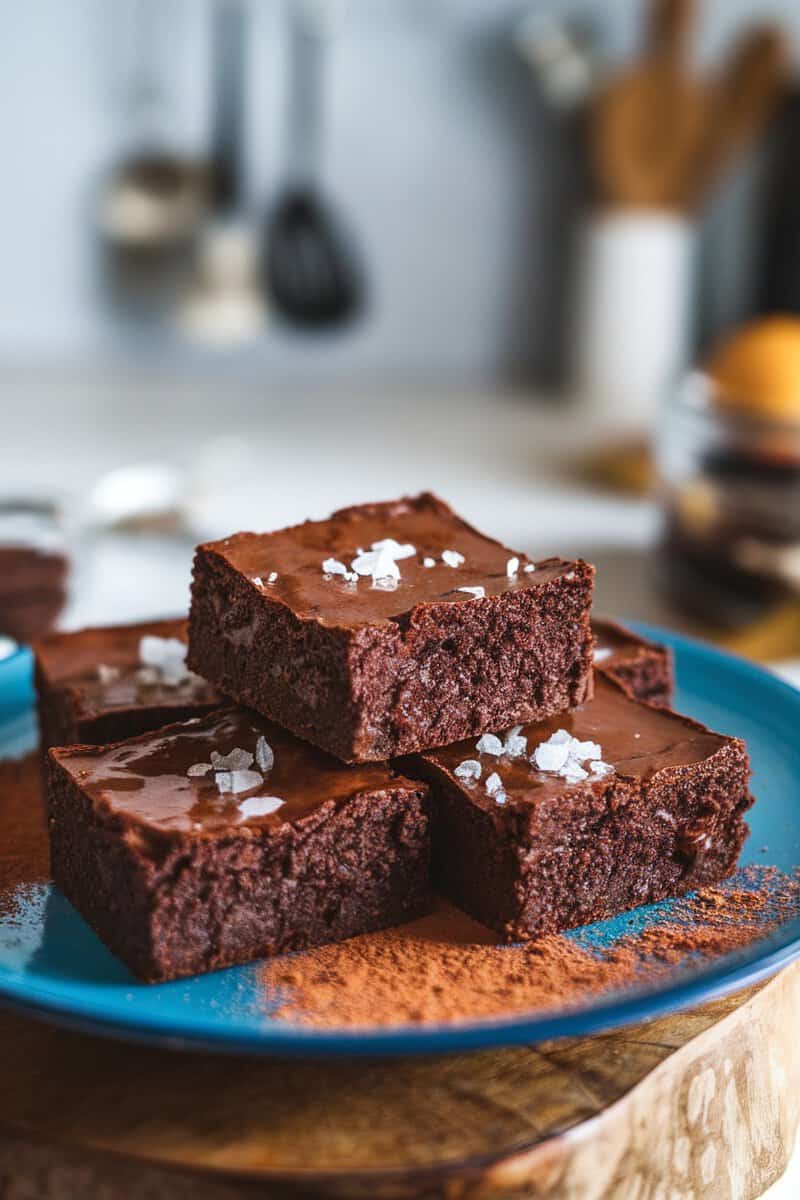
(313, 274)
(225, 305)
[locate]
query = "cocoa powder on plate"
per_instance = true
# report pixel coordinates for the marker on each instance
(446, 967)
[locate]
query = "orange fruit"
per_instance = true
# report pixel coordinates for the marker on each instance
(757, 369)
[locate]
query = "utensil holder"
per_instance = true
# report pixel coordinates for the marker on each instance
(632, 310)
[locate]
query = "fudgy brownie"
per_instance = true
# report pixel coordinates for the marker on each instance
(104, 684)
(586, 815)
(644, 668)
(390, 628)
(33, 569)
(225, 839)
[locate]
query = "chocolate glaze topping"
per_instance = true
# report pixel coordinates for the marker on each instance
(71, 660)
(636, 739)
(427, 523)
(144, 780)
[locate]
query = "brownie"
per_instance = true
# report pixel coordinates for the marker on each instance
(182, 861)
(644, 668)
(33, 568)
(529, 851)
(370, 653)
(94, 686)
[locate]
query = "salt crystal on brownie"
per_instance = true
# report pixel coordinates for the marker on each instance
(601, 769)
(512, 566)
(236, 760)
(264, 755)
(259, 806)
(237, 781)
(469, 770)
(429, 562)
(332, 566)
(167, 656)
(529, 568)
(396, 549)
(478, 592)
(197, 770)
(489, 743)
(493, 784)
(272, 577)
(452, 558)
(515, 745)
(601, 653)
(550, 755)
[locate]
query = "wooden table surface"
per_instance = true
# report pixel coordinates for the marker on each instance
(704, 1104)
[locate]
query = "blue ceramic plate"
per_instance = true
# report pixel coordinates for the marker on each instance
(52, 964)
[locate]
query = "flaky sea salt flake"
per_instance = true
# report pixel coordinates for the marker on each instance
(265, 756)
(397, 550)
(259, 806)
(493, 784)
(236, 760)
(452, 558)
(585, 751)
(489, 743)
(512, 566)
(550, 755)
(478, 592)
(601, 769)
(515, 745)
(573, 772)
(469, 770)
(601, 653)
(332, 566)
(429, 562)
(272, 577)
(197, 770)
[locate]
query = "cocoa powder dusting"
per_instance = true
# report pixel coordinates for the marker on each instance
(446, 967)
(24, 855)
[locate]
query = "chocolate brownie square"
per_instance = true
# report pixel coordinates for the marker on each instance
(644, 668)
(390, 628)
(104, 684)
(224, 839)
(583, 816)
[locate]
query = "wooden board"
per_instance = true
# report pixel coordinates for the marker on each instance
(702, 1104)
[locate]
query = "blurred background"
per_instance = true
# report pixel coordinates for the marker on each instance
(263, 258)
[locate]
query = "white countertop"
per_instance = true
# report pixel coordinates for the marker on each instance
(253, 457)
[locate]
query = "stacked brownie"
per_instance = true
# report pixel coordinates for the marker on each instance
(422, 707)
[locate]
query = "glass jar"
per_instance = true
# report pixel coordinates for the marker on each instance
(730, 489)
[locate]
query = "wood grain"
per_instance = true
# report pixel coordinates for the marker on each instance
(703, 1104)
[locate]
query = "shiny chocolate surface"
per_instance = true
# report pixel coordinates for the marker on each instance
(296, 556)
(144, 780)
(636, 739)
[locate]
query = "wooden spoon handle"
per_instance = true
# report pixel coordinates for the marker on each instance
(746, 95)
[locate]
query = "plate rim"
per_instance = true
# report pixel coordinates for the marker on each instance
(734, 972)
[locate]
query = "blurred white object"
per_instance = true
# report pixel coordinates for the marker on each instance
(140, 496)
(561, 56)
(7, 647)
(632, 306)
(225, 305)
